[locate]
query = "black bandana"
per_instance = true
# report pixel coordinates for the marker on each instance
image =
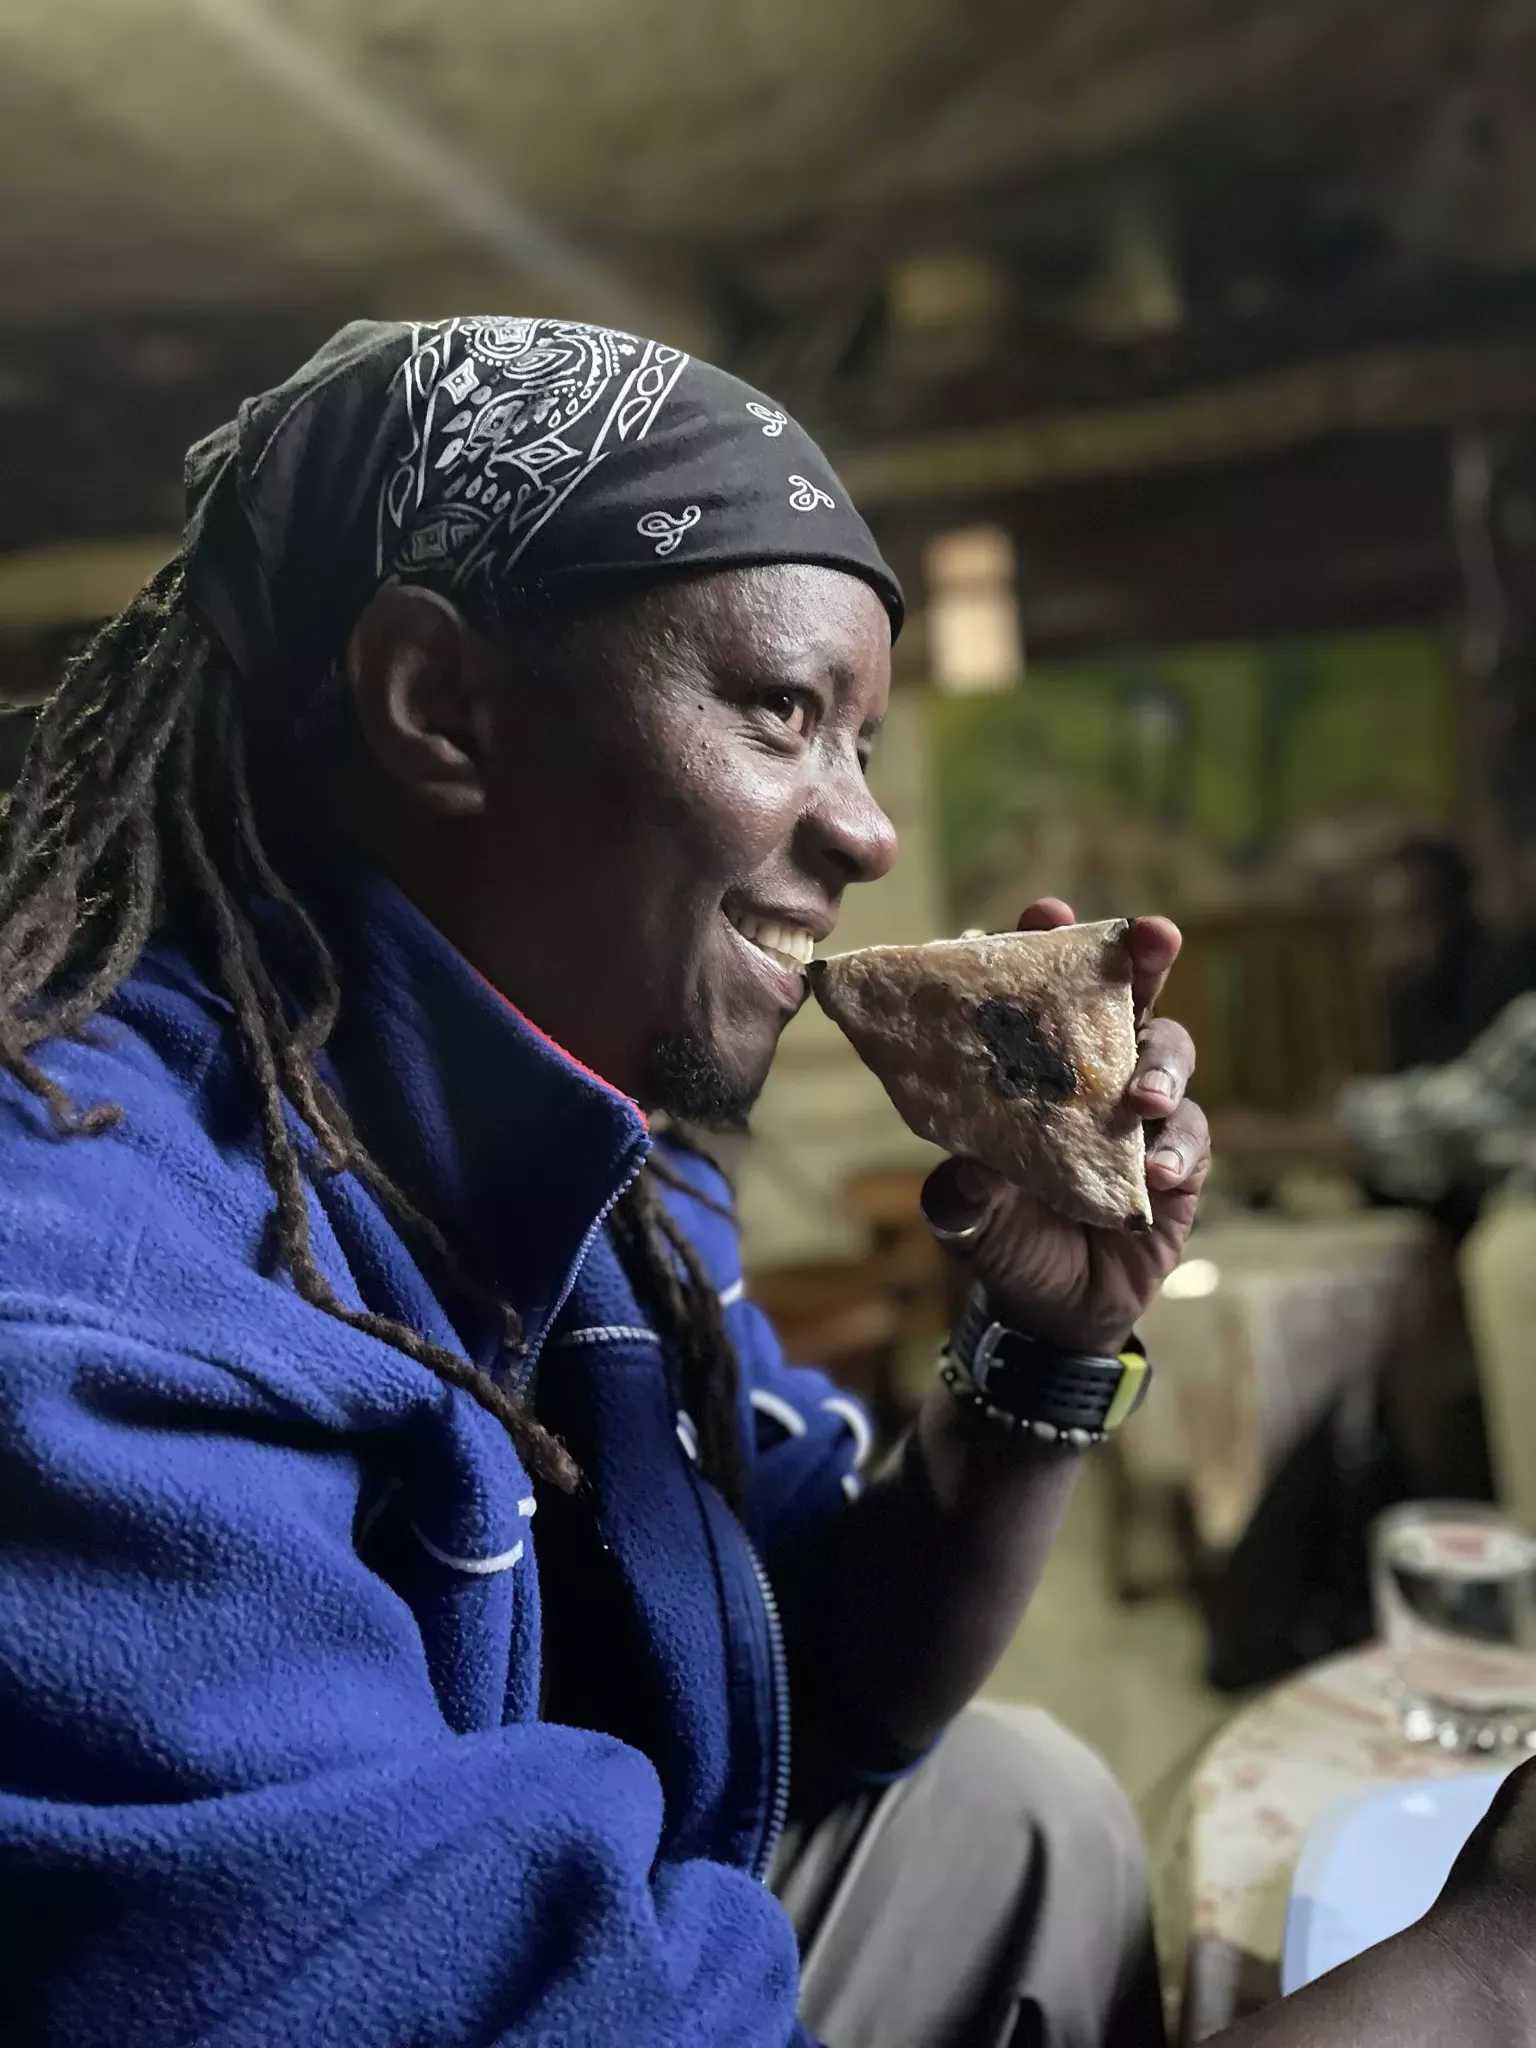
(471, 455)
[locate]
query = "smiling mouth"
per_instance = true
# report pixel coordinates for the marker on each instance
(786, 945)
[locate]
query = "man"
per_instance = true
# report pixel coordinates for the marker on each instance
(388, 1460)
(1444, 977)
(1445, 980)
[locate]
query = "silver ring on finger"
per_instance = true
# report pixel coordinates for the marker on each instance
(967, 1235)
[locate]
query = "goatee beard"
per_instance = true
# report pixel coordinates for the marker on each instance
(688, 1084)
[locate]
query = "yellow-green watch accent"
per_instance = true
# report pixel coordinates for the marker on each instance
(1134, 1370)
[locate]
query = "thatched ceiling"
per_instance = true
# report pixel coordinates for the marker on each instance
(180, 153)
(906, 215)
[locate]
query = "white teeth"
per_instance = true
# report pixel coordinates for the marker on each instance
(787, 942)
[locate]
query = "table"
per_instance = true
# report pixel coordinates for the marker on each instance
(1268, 1326)
(1224, 1877)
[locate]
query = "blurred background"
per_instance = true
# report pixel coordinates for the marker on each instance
(1183, 353)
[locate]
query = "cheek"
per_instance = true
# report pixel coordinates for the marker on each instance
(644, 813)
(726, 806)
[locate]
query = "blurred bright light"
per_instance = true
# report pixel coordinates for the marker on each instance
(1193, 1280)
(974, 640)
(953, 288)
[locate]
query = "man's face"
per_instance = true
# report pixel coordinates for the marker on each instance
(674, 804)
(1407, 923)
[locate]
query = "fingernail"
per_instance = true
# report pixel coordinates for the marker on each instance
(1157, 1081)
(1169, 1157)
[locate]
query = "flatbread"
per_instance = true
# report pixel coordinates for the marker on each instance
(1014, 1049)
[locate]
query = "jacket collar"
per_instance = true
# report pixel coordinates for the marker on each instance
(510, 1146)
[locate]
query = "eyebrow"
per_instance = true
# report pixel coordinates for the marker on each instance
(843, 678)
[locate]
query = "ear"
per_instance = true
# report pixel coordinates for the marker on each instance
(423, 682)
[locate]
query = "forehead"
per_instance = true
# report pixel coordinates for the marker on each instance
(797, 620)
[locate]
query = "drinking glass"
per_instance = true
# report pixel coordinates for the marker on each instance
(1454, 1586)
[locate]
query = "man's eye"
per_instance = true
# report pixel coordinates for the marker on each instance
(792, 707)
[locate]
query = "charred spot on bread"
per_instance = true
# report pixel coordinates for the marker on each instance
(1027, 1065)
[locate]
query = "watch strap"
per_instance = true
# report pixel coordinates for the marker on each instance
(1069, 1394)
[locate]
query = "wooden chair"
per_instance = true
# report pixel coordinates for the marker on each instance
(1281, 1003)
(862, 1319)
(840, 1318)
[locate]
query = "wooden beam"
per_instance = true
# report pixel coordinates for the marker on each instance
(76, 582)
(1387, 390)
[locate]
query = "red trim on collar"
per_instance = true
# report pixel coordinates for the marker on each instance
(554, 1044)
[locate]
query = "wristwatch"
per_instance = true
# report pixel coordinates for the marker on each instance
(1075, 1398)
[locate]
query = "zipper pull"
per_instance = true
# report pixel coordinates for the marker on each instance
(514, 1344)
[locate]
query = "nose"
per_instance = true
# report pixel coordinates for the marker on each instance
(846, 835)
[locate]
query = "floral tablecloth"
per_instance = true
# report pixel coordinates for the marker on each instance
(1225, 1875)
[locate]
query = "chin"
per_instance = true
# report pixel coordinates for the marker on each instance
(691, 1081)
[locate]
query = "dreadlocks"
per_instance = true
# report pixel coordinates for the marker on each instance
(675, 1292)
(135, 808)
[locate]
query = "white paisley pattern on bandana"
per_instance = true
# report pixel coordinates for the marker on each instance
(668, 528)
(508, 417)
(774, 421)
(806, 496)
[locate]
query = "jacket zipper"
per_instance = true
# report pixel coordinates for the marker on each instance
(779, 1810)
(530, 1357)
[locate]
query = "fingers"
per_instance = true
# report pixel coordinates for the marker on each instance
(1153, 943)
(1046, 914)
(957, 1196)
(1163, 1068)
(1179, 1152)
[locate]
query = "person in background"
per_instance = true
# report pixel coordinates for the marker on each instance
(1445, 979)
(1422, 1134)
(1462, 1060)
(1444, 976)
(1457, 1040)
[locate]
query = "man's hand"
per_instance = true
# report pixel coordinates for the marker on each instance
(927, 1576)
(1073, 1285)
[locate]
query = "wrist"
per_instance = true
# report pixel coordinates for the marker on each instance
(1066, 1326)
(1029, 1386)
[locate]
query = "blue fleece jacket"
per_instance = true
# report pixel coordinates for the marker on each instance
(284, 1754)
